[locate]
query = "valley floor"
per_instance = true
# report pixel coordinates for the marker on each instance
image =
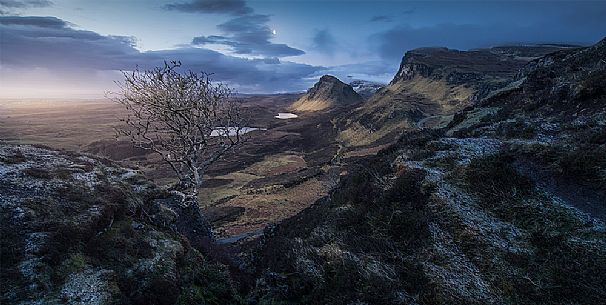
(279, 171)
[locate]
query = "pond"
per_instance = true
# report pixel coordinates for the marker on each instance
(231, 131)
(286, 116)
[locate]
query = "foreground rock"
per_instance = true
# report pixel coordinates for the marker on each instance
(79, 230)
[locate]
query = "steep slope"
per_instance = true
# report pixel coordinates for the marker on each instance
(505, 206)
(569, 81)
(557, 93)
(558, 103)
(438, 220)
(79, 230)
(434, 82)
(328, 92)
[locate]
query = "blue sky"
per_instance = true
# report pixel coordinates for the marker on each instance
(55, 48)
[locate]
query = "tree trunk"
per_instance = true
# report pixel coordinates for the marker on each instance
(197, 182)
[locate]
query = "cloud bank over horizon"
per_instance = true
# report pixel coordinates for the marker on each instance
(52, 44)
(260, 48)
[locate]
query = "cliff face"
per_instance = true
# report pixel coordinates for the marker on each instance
(477, 69)
(412, 65)
(460, 67)
(435, 82)
(328, 92)
(80, 230)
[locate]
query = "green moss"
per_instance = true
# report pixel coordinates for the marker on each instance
(194, 295)
(585, 164)
(204, 282)
(76, 262)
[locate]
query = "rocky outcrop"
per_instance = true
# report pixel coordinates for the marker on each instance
(560, 91)
(571, 80)
(329, 92)
(366, 88)
(79, 230)
(469, 67)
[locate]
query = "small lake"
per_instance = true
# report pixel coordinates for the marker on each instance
(232, 131)
(286, 116)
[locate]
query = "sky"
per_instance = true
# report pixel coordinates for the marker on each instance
(77, 48)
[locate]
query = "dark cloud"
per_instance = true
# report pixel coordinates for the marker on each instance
(250, 75)
(234, 7)
(248, 34)
(393, 43)
(43, 22)
(10, 6)
(580, 22)
(324, 41)
(381, 18)
(272, 60)
(51, 43)
(389, 18)
(25, 3)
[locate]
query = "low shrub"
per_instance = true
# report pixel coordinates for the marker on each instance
(517, 129)
(495, 181)
(585, 164)
(16, 158)
(35, 172)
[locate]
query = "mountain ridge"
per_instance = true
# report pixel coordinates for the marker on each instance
(433, 82)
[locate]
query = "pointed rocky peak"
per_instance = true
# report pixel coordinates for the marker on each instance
(328, 92)
(328, 79)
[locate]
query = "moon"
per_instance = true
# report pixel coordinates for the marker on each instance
(274, 32)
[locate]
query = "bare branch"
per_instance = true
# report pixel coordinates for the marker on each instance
(186, 118)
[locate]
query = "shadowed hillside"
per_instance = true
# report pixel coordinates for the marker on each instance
(503, 206)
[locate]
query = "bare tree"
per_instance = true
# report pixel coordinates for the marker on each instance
(185, 118)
